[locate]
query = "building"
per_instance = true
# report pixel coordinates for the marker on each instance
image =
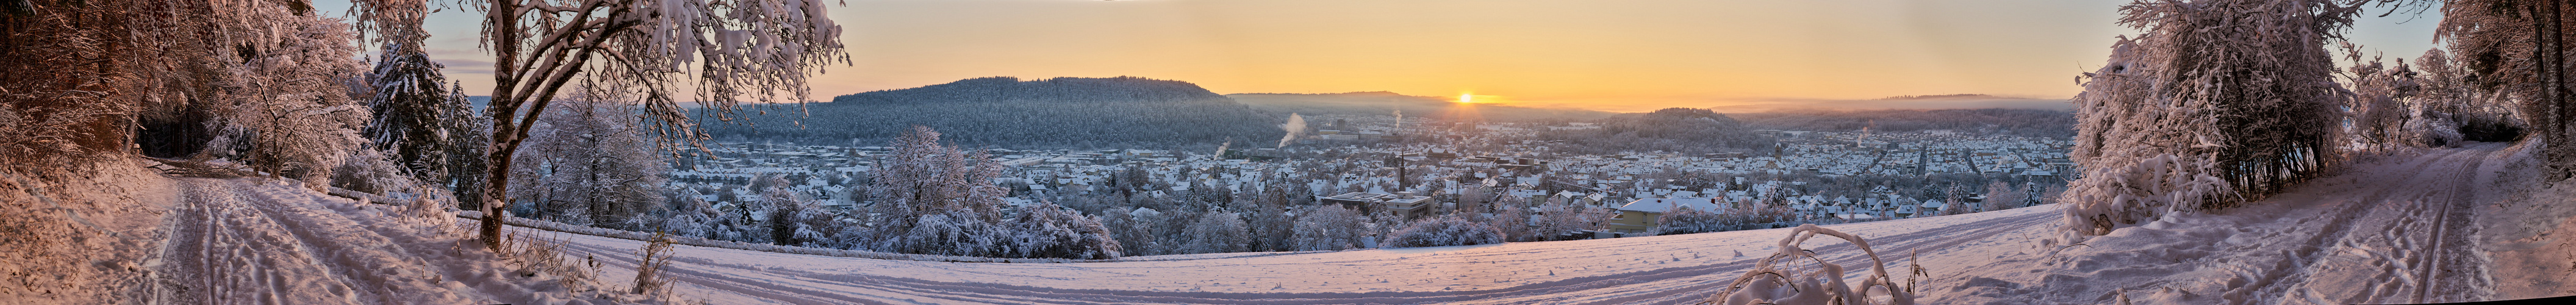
(1399, 204)
(1644, 214)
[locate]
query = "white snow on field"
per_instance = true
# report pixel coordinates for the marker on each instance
(2393, 229)
(2446, 225)
(1664, 269)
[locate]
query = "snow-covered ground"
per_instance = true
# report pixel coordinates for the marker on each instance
(2446, 225)
(2391, 229)
(253, 241)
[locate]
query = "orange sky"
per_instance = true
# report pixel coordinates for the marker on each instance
(1617, 55)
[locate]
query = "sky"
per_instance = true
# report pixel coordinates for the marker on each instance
(1612, 55)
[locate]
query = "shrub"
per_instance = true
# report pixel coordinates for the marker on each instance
(1446, 231)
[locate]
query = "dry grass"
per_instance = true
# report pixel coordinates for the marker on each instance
(1778, 280)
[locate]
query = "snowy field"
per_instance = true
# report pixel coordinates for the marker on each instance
(2395, 229)
(2387, 230)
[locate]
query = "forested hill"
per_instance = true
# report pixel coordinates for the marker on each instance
(1385, 103)
(1064, 112)
(1998, 121)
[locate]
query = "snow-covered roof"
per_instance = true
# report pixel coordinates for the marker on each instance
(1663, 205)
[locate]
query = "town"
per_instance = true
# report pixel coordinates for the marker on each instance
(1423, 168)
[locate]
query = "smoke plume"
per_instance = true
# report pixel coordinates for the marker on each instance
(1296, 126)
(1220, 148)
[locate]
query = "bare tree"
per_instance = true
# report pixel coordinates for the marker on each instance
(715, 52)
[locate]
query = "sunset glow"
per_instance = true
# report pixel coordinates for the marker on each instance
(1629, 56)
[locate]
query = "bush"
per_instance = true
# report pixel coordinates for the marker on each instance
(1687, 220)
(1446, 231)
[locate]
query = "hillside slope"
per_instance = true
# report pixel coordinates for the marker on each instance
(1386, 103)
(1004, 111)
(2397, 229)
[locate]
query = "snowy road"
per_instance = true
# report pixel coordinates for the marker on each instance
(242, 241)
(2395, 229)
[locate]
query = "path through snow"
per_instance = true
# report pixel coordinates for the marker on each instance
(2392, 230)
(246, 241)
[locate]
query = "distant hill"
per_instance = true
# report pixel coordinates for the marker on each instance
(2045, 123)
(1065, 112)
(1944, 101)
(1950, 97)
(1385, 103)
(1685, 130)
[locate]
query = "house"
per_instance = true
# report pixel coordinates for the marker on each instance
(1644, 214)
(1398, 204)
(1935, 206)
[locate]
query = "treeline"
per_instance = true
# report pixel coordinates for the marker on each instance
(1683, 130)
(1008, 112)
(2038, 123)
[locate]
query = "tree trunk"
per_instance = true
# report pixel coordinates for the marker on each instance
(496, 187)
(504, 112)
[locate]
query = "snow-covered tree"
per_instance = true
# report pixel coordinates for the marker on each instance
(591, 162)
(1686, 220)
(1512, 219)
(2218, 103)
(1270, 228)
(2000, 195)
(1326, 228)
(2385, 103)
(418, 117)
(721, 51)
(691, 216)
(1559, 218)
(1134, 229)
(2515, 52)
(1217, 232)
(930, 198)
(288, 110)
(922, 178)
(1452, 230)
(1049, 230)
(783, 210)
(2449, 89)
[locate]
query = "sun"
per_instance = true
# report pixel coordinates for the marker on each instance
(1466, 99)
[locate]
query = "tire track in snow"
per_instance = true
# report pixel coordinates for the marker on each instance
(243, 241)
(239, 257)
(2325, 260)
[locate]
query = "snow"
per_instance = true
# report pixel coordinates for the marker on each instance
(1663, 269)
(2449, 225)
(239, 241)
(2395, 229)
